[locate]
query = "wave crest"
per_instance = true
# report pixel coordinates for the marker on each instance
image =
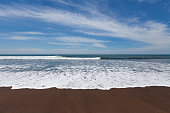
(46, 58)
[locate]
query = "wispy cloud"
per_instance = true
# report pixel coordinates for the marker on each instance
(69, 3)
(86, 7)
(44, 51)
(64, 43)
(99, 45)
(78, 41)
(150, 32)
(21, 35)
(149, 1)
(29, 33)
(20, 50)
(20, 38)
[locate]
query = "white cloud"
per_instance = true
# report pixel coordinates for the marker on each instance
(20, 51)
(21, 38)
(60, 1)
(99, 45)
(29, 33)
(20, 35)
(78, 41)
(150, 32)
(44, 51)
(150, 1)
(69, 44)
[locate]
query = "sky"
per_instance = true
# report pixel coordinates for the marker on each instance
(84, 26)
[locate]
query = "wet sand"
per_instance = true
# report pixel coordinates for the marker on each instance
(126, 100)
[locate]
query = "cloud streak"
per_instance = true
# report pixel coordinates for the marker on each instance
(150, 32)
(20, 38)
(149, 1)
(29, 33)
(78, 41)
(44, 51)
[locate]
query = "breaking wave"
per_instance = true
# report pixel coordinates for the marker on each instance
(47, 58)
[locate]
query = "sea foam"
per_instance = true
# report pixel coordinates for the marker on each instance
(83, 74)
(46, 57)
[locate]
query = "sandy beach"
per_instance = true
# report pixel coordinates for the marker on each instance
(53, 100)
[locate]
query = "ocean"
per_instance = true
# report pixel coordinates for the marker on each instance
(84, 71)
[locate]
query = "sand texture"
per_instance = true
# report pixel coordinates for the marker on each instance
(125, 100)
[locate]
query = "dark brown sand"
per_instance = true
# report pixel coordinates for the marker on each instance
(128, 100)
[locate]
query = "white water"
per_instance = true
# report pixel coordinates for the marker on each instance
(83, 74)
(45, 58)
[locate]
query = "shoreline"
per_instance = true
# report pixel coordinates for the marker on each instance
(151, 99)
(104, 89)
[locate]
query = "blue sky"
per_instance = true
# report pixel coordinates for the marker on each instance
(85, 26)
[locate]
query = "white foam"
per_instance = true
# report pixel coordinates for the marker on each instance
(117, 74)
(45, 58)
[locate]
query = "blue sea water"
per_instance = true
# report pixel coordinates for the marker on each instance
(84, 71)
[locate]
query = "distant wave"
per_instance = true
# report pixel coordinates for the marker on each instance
(134, 58)
(46, 58)
(81, 57)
